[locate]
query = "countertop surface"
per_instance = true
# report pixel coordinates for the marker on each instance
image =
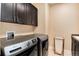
(17, 39)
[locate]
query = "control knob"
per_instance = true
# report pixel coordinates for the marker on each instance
(34, 40)
(28, 44)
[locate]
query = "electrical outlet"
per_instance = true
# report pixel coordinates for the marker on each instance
(9, 35)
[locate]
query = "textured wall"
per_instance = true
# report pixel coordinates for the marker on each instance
(64, 21)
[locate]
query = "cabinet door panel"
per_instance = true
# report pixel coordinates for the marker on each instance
(73, 47)
(7, 12)
(77, 48)
(20, 12)
(28, 18)
(34, 16)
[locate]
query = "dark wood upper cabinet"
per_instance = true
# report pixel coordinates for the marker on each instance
(34, 16)
(31, 12)
(28, 18)
(7, 12)
(21, 13)
(0, 11)
(26, 14)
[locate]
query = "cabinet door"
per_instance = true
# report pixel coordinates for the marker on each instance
(20, 13)
(28, 18)
(77, 48)
(7, 12)
(73, 47)
(34, 16)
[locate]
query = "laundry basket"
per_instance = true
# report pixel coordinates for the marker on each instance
(59, 45)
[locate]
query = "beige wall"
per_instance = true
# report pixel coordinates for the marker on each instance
(17, 28)
(78, 16)
(41, 18)
(64, 22)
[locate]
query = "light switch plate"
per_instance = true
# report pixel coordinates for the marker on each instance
(10, 35)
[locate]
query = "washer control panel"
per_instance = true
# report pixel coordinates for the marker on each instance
(19, 47)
